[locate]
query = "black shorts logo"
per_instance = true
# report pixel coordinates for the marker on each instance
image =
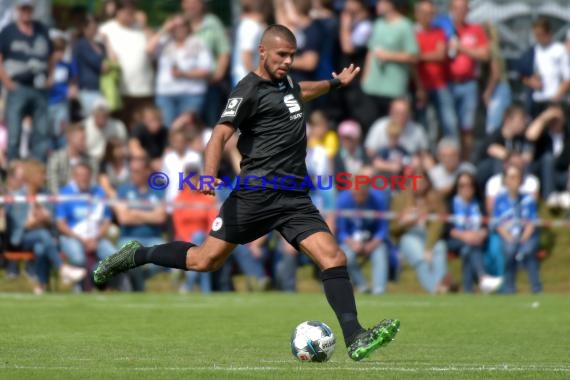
(232, 107)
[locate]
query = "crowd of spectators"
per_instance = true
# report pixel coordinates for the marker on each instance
(94, 110)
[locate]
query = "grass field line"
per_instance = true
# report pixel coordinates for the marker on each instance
(305, 367)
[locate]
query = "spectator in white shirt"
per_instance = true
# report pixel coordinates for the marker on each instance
(245, 55)
(413, 137)
(184, 66)
(177, 159)
(100, 127)
(495, 185)
(128, 41)
(444, 174)
(551, 77)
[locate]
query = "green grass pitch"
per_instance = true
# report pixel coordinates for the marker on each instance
(157, 336)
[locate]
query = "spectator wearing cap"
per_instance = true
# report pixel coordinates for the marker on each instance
(26, 71)
(89, 56)
(351, 156)
(100, 127)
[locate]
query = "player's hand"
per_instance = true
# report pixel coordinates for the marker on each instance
(208, 189)
(347, 74)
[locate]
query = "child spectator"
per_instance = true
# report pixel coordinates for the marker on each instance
(114, 169)
(393, 158)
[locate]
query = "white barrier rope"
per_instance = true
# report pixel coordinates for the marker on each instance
(138, 203)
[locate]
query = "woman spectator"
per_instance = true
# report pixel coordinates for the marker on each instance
(468, 235)
(114, 169)
(419, 238)
(497, 95)
(89, 56)
(351, 156)
(184, 66)
(515, 213)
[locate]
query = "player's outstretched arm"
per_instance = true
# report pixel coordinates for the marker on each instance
(314, 89)
(214, 151)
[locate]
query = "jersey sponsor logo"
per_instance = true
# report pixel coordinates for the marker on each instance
(292, 103)
(232, 107)
(217, 224)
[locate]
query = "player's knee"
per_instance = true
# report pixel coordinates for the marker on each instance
(339, 258)
(336, 258)
(208, 264)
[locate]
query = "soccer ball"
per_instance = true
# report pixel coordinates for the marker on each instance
(313, 341)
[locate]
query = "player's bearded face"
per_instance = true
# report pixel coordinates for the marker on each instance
(277, 58)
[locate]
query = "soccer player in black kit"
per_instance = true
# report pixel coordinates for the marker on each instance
(267, 108)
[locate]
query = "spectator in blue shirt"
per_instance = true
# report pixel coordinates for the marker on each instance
(468, 234)
(63, 88)
(140, 212)
(83, 223)
(515, 214)
(364, 236)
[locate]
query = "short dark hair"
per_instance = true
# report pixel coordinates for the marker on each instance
(542, 23)
(514, 109)
(279, 31)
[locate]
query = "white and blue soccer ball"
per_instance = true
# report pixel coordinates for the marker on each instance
(313, 341)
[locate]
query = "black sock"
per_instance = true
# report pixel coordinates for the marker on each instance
(340, 295)
(170, 255)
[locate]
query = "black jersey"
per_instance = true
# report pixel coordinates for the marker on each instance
(273, 139)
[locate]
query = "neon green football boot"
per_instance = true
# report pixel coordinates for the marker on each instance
(368, 341)
(117, 263)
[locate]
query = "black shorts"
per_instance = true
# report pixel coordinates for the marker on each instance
(250, 214)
